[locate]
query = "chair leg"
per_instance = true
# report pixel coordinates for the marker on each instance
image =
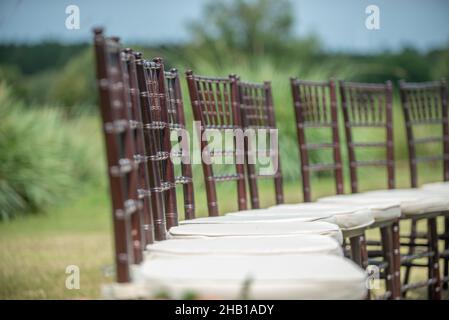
(356, 255)
(387, 251)
(446, 248)
(396, 260)
(411, 251)
(346, 249)
(364, 251)
(434, 289)
(359, 253)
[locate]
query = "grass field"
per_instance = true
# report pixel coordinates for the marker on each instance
(36, 249)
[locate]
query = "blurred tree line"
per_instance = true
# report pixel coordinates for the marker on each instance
(230, 34)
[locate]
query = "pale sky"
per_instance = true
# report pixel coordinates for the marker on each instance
(340, 25)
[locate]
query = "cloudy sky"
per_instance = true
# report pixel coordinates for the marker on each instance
(339, 24)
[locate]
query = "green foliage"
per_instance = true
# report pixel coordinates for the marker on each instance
(408, 64)
(35, 58)
(75, 83)
(11, 74)
(70, 84)
(441, 66)
(43, 158)
(249, 26)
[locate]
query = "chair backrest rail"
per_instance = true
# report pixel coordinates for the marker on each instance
(257, 112)
(425, 104)
(368, 105)
(315, 106)
(215, 105)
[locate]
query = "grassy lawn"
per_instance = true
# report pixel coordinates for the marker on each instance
(35, 250)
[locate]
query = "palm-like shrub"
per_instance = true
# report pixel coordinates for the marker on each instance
(43, 157)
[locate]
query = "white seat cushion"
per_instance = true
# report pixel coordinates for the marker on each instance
(275, 228)
(411, 201)
(380, 212)
(273, 245)
(260, 216)
(442, 187)
(255, 277)
(345, 218)
(414, 201)
(306, 215)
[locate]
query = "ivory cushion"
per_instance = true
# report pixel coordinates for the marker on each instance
(254, 277)
(257, 245)
(381, 210)
(415, 201)
(441, 187)
(412, 201)
(275, 228)
(306, 215)
(345, 218)
(261, 216)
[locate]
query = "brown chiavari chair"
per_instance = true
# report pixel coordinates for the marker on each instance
(130, 77)
(166, 114)
(150, 75)
(424, 106)
(115, 108)
(315, 106)
(215, 105)
(370, 106)
(163, 111)
(177, 122)
(257, 112)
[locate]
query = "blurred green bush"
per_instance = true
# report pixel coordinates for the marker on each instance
(45, 158)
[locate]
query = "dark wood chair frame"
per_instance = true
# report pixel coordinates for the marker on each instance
(150, 79)
(143, 185)
(215, 105)
(257, 112)
(369, 105)
(177, 121)
(139, 104)
(425, 103)
(315, 105)
(163, 111)
(115, 106)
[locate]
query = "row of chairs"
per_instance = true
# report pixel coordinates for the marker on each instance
(370, 106)
(141, 104)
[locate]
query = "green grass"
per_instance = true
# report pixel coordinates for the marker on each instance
(36, 249)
